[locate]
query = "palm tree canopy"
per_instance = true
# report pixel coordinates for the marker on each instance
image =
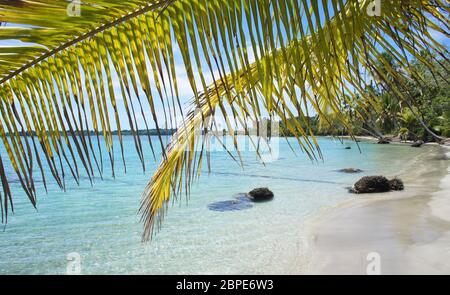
(275, 57)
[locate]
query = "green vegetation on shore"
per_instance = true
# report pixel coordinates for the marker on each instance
(424, 116)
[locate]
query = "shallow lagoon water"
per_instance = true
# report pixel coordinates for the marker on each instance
(101, 223)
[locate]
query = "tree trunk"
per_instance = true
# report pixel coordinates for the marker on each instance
(424, 125)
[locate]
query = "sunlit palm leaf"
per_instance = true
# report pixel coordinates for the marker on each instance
(307, 54)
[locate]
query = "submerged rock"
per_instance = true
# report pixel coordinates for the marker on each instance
(350, 170)
(396, 184)
(418, 143)
(260, 195)
(241, 203)
(371, 184)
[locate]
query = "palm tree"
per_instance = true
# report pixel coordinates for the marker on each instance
(409, 122)
(403, 133)
(389, 108)
(390, 73)
(264, 56)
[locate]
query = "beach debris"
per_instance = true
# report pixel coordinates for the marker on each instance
(396, 184)
(418, 143)
(371, 184)
(260, 194)
(350, 170)
(242, 202)
(384, 140)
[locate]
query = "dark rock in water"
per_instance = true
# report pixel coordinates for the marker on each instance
(418, 143)
(371, 184)
(396, 184)
(348, 147)
(260, 195)
(350, 170)
(384, 141)
(231, 205)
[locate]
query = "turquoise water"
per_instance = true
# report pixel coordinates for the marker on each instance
(101, 223)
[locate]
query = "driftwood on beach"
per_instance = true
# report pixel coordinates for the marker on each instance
(384, 141)
(418, 143)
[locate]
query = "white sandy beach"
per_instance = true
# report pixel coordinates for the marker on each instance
(408, 231)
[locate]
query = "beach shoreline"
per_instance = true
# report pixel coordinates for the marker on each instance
(408, 232)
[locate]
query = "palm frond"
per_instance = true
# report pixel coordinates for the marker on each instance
(306, 54)
(326, 65)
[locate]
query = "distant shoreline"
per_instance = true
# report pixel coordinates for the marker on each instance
(170, 132)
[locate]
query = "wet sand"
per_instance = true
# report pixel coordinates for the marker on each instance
(409, 231)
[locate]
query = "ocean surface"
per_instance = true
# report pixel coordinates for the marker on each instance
(101, 223)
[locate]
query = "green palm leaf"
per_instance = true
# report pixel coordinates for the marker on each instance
(307, 54)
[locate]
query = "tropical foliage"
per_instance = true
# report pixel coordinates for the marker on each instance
(423, 116)
(277, 58)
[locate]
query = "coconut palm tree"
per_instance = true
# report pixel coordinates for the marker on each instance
(60, 99)
(409, 122)
(403, 133)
